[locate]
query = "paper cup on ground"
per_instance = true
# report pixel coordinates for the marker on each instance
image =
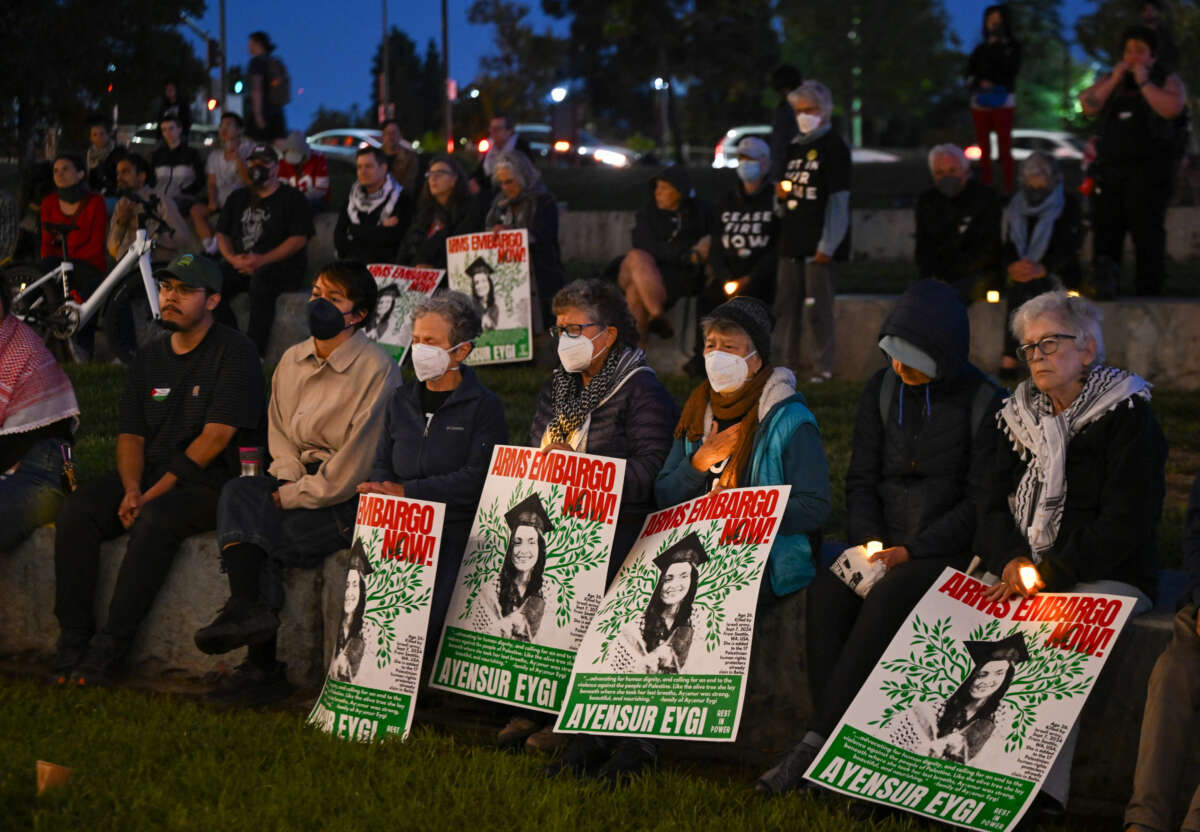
(855, 571)
(51, 776)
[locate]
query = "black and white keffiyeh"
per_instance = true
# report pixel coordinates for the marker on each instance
(363, 203)
(573, 401)
(1041, 436)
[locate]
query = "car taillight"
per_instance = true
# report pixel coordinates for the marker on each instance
(484, 144)
(562, 146)
(973, 153)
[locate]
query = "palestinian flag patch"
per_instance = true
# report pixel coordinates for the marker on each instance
(159, 393)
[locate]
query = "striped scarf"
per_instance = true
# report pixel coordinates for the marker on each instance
(573, 401)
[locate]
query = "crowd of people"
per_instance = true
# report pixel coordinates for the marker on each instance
(1065, 476)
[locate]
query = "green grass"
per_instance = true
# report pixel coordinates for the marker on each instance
(99, 390)
(155, 762)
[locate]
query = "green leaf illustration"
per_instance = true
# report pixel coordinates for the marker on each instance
(395, 587)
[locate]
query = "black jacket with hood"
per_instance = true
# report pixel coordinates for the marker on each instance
(670, 235)
(915, 479)
(997, 61)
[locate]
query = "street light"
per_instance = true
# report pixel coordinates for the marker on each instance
(660, 83)
(558, 94)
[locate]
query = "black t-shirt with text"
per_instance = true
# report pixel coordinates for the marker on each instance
(817, 170)
(169, 398)
(259, 225)
(746, 230)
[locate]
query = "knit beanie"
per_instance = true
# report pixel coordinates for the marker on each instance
(753, 316)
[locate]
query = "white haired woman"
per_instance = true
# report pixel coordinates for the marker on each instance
(1042, 233)
(1077, 490)
(813, 203)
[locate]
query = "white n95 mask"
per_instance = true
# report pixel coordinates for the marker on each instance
(726, 371)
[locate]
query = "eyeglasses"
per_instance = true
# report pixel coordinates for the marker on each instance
(181, 289)
(570, 330)
(1046, 346)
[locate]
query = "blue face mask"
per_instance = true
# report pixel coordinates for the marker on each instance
(749, 171)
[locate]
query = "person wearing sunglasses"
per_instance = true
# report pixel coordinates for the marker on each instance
(1076, 491)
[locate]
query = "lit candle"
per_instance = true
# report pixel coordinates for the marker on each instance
(786, 184)
(1071, 293)
(993, 296)
(873, 546)
(1029, 577)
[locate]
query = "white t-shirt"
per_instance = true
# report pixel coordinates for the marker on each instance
(226, 170)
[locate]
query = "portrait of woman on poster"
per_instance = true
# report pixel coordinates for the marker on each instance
(660, 640)
(959, 728)
(513, 604)
(348, 653)
(483, 292)
(385, 305)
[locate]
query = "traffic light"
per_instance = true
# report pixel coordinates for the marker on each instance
(212, 104)
(236, 85)
(214, 54)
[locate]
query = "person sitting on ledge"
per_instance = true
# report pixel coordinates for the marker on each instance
(187, 398)
(1076, 489)
(377, 212)
(328, 395)
(924, 439)
(1169, 724)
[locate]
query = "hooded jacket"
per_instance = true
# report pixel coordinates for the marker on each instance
(670, 235)
(916, 478)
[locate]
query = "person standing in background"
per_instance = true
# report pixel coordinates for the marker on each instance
(992, 79)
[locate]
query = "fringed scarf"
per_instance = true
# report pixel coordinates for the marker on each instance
(362, 203)
(573, 400)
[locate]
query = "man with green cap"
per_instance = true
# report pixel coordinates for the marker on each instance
(190, 399)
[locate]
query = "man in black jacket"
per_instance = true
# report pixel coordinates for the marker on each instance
(377, 213)
(958, 226)
(924, 438)
(671, 238)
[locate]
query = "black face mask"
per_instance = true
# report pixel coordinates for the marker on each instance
(325, 321)
(74, 193)
(259, 174)
(1036, 196)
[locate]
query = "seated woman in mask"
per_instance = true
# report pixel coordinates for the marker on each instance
(328, 395)
(604, 400)
(438, 433)
(1042, 233)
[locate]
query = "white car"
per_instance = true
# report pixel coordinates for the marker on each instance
(344, 142)
(1025, 143)
(725, 154)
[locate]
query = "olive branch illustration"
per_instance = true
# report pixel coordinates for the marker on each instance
(731, 567)
(396, 587)
(938, 664)
(573, 546)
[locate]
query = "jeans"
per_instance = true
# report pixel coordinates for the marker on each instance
(31, 495)
(264, 288)
(88, 518)
(295, 537)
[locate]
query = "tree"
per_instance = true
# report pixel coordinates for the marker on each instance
(413, 90)
(525, 65)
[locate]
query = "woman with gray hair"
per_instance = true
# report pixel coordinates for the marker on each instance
(1075, 494)
(813, 203)
(522, 201)
(438, 434)
(1042, 233)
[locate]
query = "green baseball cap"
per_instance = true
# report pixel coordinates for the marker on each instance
(194, 270)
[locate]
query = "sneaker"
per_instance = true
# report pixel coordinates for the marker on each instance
(546, 741)
(788, 775)
(513, 735)
(661, 326)
(70, 653)
(99, 665)
(250, 686)
(239, 623)
(584, 756)
(629, 760)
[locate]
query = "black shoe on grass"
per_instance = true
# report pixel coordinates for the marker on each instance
(630, 759)
(238, 624)
(583, 756)
(99, 665)
(250, 686)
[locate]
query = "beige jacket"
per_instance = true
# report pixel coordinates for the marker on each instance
(329, 412)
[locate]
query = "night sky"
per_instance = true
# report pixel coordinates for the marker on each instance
(328, 45)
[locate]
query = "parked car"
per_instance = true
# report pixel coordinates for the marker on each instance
(545, 146)
(725, 154)
(344, 142)
(1025, 142)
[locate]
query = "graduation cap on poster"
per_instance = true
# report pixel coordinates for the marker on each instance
(480, 265)
(529, 512)
(1011, 649)
(687, 550)
(358, 559)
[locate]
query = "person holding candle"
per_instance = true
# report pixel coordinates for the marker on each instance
(924, 438)
(1076, 491)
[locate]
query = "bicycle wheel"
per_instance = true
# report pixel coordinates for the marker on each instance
(35, 307)
(127, 321)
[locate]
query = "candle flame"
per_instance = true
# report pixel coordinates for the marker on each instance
(1029, 577)
(873, 546)
(993, 296)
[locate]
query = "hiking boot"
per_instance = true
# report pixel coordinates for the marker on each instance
(584, 756)
(250, 686)
(70, 654)
(513, 735)
(546, 741)
(239, 623)
(788, 775)
(629, 760)
(99, 665)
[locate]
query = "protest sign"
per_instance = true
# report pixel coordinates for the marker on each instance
(371, 687)
(971, 703)
(400, 289)
(493, 270)
(532, 576)
(668, 651)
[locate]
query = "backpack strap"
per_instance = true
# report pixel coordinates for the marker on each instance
(887, 394)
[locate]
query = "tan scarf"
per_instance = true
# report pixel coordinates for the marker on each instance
(741, 404)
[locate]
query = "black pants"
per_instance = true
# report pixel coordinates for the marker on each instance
(87, 519)
(846, 635)
(264, 288)
(1134, 198)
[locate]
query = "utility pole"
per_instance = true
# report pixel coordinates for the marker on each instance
(449, 118)
(224, 56)
(384, 93)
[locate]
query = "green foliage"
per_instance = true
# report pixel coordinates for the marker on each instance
(395, 588)
(414, 84)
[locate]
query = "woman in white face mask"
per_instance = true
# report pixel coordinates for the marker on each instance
(438, 433)
(746, 425)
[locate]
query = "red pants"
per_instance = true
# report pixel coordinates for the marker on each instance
(998, 120)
